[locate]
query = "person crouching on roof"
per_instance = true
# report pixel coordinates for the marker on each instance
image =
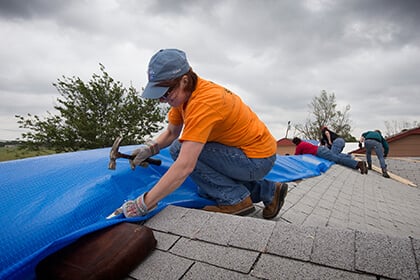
(214, 138)
(332, 140)
(375, 141)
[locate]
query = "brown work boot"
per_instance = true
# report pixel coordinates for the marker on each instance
(242, 208)
(271, 210)
(362, 166)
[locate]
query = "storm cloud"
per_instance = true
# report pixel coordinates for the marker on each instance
(277, 55)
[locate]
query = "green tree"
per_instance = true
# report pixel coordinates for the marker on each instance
(91, 115)
(324, 112)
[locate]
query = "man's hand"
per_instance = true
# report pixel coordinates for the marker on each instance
(135, 208)
(143, 152)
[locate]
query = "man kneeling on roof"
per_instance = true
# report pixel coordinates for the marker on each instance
(303, 147)
(214, 138)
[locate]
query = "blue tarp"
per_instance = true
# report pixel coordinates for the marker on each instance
(48, 202)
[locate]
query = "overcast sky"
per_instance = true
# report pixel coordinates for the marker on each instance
(277, 55)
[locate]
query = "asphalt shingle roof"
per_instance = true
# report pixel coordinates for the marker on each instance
(340, 225)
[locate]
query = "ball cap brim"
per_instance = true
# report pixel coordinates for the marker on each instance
(152, 91)
(165, 65)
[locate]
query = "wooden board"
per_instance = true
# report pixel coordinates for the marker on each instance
(391, 175)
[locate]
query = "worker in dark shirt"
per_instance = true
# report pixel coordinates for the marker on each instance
(375, 141)
(332, 140)
(303, 147)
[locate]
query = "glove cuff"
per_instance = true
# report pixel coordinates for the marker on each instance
(136, 207)
(141, 206)
(153, 146)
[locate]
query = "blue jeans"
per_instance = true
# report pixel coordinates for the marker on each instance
(370, 145)
(343, 159)
(225, 174)
(338, 145)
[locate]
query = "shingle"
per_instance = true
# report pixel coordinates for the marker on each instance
(191, 223)
(202, 271)
(384, 255)
(295, 216)
(291, 241)
(336, 223)
(178, 220)
(166, 220)
(335, 248)
(252, 234)
(273, 267)
(321, 212)
(314, 220)
(162, 265)
(226, 257)
(293, 196)
(218, 228)
(305, 208)
(165, 240)
(416, 249)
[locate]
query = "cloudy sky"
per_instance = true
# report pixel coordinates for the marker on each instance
(277, 55)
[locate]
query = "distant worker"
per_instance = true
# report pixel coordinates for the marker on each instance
(303, 147)
(374, 141)
(332, 140)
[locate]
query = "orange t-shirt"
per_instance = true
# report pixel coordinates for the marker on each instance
(215, 114)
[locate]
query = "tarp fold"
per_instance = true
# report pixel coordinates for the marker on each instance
(48, 202)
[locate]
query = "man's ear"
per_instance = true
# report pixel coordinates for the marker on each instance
(184, 82)
(185, 79)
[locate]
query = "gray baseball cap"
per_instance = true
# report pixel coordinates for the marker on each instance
(166, 64)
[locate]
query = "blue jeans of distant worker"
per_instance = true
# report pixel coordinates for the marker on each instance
(225, 174)
(370, 145)
(339, 158)
(338, 145)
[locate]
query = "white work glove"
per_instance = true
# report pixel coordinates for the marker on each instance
(135, 208)
(144, 152)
